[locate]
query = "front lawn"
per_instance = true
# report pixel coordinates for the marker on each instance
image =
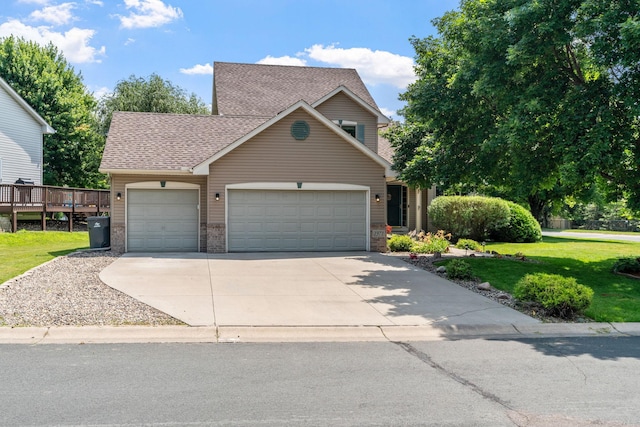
(616, 298)
(24, 250)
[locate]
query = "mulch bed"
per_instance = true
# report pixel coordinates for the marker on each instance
(428, 262)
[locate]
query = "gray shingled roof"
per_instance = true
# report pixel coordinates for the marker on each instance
(265, 90)
(385, 150)
(153, 141)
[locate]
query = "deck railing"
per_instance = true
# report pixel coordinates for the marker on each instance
(15, 198)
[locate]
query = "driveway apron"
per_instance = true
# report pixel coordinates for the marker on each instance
(300, 289)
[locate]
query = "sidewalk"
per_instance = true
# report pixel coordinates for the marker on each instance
(230, 334)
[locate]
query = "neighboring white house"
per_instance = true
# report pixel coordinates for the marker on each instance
(21, 138)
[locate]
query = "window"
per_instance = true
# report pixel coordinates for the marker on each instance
(352, 128)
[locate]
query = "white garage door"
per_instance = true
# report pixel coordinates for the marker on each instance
(162, 220)
(268, 220)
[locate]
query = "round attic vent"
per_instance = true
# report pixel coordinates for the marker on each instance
(300, 130)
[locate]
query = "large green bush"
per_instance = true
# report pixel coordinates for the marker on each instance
(471, 217)
(522, 227)
(560, 296)
(400, 243)
(627, 265)
(459, 269)
(469, 244)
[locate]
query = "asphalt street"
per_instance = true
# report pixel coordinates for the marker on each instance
(522, 382)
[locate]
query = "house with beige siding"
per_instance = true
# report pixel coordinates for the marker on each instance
(289, 160)
(21, 138)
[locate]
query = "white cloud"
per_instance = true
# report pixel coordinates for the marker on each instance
(282, 60)
(129, 41)
(58, 15)
(40, 2)
(100, 92)
(148, 14)
(73, 43)
(375, 67)
(388, 113)
(198, 69)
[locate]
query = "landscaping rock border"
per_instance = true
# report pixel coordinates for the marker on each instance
(67, 291)
(427, 262)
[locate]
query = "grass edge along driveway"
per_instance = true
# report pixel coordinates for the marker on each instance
(24, 250)
(616, 298)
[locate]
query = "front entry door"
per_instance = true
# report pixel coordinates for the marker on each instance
(394, 205)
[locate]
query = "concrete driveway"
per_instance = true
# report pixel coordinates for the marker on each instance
(293, 289)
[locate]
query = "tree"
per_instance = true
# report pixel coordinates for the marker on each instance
(516, 95)
(42, 76)
(154, 95)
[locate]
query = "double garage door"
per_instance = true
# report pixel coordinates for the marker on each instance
(162, 220)
(166, 220)
(289, 220)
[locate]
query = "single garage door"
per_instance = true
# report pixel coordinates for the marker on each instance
(162, 220)
(268, 220)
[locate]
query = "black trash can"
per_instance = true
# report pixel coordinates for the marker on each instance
(99, 233)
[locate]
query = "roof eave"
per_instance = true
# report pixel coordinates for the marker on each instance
(111, 171)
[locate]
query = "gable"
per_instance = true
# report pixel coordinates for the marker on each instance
(19, 103)
(203, 168)
(352, 101)
(275, 155)
(21, 142)
(342, 108)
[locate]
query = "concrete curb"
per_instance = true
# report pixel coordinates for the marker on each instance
(256, 334)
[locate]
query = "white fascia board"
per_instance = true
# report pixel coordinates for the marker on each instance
(307, 186)
(382, 119)
(168, 185)
(145, 171)
(46, 128)
(203, 168)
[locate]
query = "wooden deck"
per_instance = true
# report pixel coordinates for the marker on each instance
(47, 200)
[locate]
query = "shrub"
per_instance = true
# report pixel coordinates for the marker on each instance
(560, 296)
(430, 243)
(468, 244)
(400, 243)
(627, 265)
(459, 269)
(470, 217)
(522, 227)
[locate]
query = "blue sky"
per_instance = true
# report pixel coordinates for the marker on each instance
(109, 40)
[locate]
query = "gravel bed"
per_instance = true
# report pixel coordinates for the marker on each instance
(426, 262)
(68, 291)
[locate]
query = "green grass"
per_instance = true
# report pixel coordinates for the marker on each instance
(616, 298)
(24, 250)
(580, 230)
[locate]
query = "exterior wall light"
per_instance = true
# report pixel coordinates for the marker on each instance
(377, 197)
(118, 196)
(217, 196)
